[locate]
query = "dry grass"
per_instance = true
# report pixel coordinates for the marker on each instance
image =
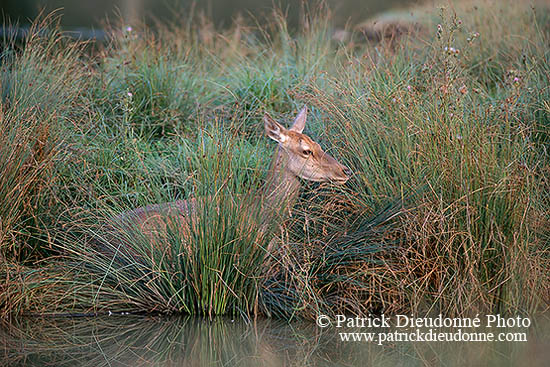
(447, 212)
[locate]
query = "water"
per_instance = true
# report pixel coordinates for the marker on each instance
(177, 341)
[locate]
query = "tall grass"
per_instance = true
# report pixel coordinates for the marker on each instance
(156, 91)
(446, 131)
(436, 128)
(206, 259)
(40, 86)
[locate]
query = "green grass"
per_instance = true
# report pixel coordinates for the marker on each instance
(448, 209)
(40, 90)
(213, 269)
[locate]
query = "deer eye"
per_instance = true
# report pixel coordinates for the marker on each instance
(307, 152)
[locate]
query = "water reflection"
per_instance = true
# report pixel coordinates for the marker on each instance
(167, 341)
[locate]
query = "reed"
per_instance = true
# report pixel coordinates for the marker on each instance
(40, 87)
(446, 131)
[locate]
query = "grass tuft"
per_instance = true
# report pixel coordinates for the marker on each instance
(445, 129)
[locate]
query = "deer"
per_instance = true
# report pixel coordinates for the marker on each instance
(297, 157)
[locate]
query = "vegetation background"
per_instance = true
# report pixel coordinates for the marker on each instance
(443, 116)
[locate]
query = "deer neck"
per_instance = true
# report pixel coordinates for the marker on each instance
(282, 186)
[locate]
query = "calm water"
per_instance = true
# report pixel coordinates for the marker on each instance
(160, 341)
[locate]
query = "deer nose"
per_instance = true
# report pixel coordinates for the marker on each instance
(347, 171)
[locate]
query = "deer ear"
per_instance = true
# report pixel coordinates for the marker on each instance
(274, 130)
(300, 121)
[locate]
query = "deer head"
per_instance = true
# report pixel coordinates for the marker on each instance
(305, 158)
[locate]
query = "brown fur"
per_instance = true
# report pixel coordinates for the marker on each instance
(297, 156)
